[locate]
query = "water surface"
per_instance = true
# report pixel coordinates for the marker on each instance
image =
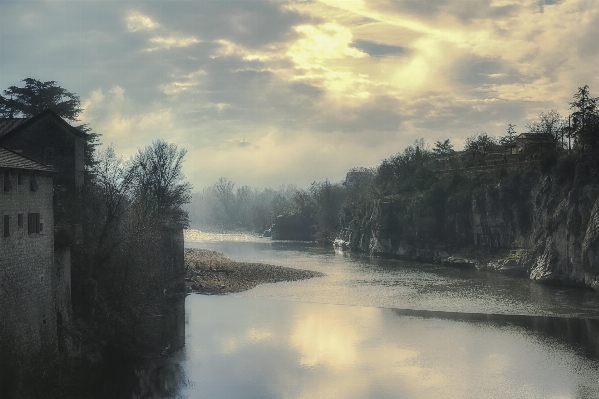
(378, 328)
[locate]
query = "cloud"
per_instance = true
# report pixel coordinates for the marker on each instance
(374, 49)
(139, 22)
(315, 86)
(168, 42)
(121, 122)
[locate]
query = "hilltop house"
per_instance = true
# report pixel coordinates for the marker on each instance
(530, 143)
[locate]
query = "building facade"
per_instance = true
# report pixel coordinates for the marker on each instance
(28, 316)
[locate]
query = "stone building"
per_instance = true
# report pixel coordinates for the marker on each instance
(50, 140)
(28, 273)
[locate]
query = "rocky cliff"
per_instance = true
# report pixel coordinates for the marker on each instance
(541, 223)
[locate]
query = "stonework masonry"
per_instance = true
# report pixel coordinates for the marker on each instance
(27, 272)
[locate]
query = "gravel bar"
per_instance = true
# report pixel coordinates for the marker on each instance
(212, 273)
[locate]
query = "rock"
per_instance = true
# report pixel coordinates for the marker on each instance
(459, 262)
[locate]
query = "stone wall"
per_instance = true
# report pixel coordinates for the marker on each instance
(27, 309)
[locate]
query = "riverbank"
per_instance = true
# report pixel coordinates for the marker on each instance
(212, 273)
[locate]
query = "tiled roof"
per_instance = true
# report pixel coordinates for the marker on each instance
(11, 160)
(8, 124)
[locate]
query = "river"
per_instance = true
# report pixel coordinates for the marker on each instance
(378, 328)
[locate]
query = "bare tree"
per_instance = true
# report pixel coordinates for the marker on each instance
(159, 188)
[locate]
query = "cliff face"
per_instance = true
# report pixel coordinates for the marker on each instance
(536, 224)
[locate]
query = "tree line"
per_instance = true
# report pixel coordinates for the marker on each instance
(221, 206)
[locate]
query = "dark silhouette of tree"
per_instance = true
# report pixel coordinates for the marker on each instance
(159, 189)
(37, 96)
(586, 119)
(510, 134)
(482, 142)
(443, 148)
(549, 123)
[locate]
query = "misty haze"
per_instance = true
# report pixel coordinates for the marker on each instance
(299, 199)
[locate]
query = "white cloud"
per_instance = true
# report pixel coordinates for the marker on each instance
(167, 42)
(139, 22)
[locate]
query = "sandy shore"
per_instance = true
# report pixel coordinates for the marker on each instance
(212, 273)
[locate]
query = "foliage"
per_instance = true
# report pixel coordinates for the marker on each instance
(159, 190)
(37, 96)
(550, 123)
(586, 119)
(482, 142)
(398, 173)
(130, 211)
(510, 134)
(223, 207)
(443, 148)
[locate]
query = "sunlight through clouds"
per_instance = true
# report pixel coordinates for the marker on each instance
(117, 118)
(373, 75)
(138, 22)
(171, 41)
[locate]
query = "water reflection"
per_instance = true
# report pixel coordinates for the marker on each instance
(246, 348)
(580, 333)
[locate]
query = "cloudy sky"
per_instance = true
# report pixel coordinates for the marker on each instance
(272, 92)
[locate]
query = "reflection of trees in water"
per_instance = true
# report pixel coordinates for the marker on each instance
(583, 334)
(156, 373)
(151, 378)
(161, 374)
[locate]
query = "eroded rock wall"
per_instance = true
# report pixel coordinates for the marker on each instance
(552, 225)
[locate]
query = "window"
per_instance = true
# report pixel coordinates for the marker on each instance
(20, 220)
(33, 183)
(33, 223)
(6, 180)
(6, 226)
(19, 179)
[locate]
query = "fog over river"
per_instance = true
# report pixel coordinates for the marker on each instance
(379, 328)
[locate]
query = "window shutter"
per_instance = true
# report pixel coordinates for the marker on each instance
(6, 226)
